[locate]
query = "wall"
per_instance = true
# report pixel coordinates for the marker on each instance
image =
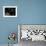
(33, 11)
(29, 12)
(7, 25)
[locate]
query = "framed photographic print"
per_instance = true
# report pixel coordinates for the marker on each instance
(9, 11)
(33, 32)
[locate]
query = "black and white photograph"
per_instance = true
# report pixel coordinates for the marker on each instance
(31, 33)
